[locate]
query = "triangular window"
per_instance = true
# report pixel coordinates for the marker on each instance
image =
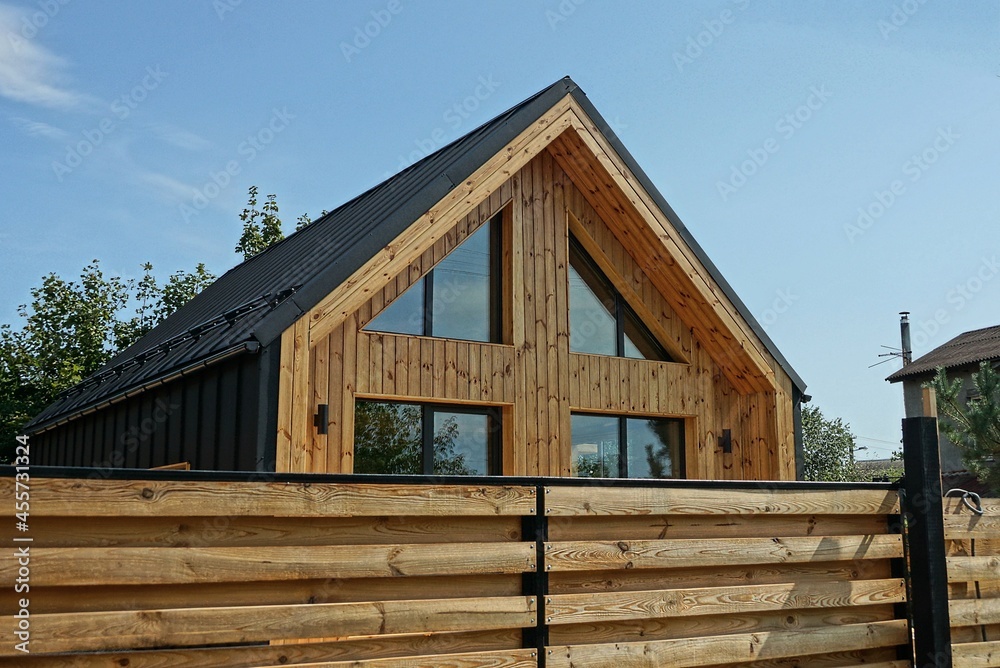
(600, 320)
(458, 299)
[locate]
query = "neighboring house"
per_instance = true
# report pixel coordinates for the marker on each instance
(961, 358)
(521, 302)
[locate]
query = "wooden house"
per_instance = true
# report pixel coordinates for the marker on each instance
(521, 302)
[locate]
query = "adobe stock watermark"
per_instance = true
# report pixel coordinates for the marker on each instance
(901, 14)
(696, 44)
(248, 150)
(564, 10)
(957, 297)
(913, 169)
(786, 126)
(121, 108)
(32, 23)
(453, 117)
(783, 300)
(223, 7)
(363, 35)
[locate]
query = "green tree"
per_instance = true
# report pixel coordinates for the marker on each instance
(974, 426)
(68, 333)
(828, 448)
(72, 328)
(261, 227)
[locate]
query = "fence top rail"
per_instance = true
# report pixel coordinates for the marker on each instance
(85, 473)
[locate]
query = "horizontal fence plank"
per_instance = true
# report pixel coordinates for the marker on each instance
(181, 565)
(965, 525)
(651, 527)
(274, 592)
(580, 608)
(205, 626)
(580, 582)
(573, 501)
(352, 649)
(974, 611)
(524, 658)
(976, 655)
(728, 649)
(970, 569)
(144, 498)
(239, 531)
(668, 628)
(612, 555)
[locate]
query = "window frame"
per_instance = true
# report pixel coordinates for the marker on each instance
(622, 432)
(622, 308)
(494, 226)
(494, 427)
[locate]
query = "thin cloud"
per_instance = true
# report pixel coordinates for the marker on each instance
(30, 73)
(38, 128)
(181, 138)
(166, 186)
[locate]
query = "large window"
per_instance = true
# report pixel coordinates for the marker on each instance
(458, 299)
(600, 322)
(626, 447)
(401, 438)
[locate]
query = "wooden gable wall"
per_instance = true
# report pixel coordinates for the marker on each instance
(531, 375)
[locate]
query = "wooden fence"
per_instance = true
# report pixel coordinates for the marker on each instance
(973, 549)
(168, 572)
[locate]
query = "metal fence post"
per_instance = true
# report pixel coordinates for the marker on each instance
(536, 529)
(925, 536)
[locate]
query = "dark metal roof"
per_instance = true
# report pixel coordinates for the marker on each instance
(253, 303)
(972, 347)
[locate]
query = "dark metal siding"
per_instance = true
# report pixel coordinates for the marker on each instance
(208, 418)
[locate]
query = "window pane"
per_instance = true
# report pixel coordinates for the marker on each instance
(461, 294)
(387, 438)
(405, 315)
(591, 311)
(461, 443)
(639, 342)
(654, 448)
(595, 446)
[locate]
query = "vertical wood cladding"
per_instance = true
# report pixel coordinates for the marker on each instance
(532, 374)
(207, 418)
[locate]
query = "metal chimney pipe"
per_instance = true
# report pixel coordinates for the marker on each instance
(904, 335)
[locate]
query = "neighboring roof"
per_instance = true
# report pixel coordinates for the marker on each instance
(253, 303)
(968, 348)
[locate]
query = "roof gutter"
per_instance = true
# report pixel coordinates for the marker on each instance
(245, 347)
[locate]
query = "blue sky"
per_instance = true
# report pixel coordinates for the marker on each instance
(837, 160)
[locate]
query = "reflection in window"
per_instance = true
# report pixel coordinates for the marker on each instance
(653, 447)
(410, 439)
(600, 322)
(457, 299)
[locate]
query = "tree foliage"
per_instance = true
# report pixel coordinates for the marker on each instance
(828, 448)
(388, 440)
(974, 426)
(70, 329)
(261, 227)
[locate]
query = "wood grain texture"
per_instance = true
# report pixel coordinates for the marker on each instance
(639, 554)
(697, 626)
(733, 648)
(202, 626)
(159, 566)
(283, 654)
(613, 606)
(572, 501)
(111, 498)
(976, 655)
(524, 658)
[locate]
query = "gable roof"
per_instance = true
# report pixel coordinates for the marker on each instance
(253, 303)
(967, 348)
